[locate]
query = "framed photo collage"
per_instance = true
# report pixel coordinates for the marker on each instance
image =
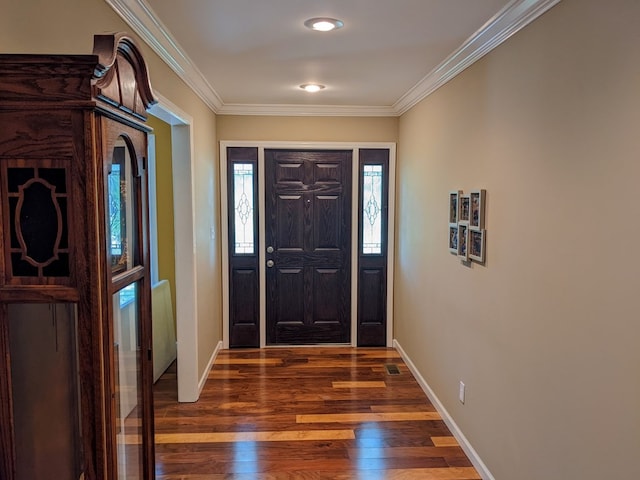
(466, 225)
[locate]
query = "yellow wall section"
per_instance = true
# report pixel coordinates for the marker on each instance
(312, 129)
(545, 335)
(164, 205)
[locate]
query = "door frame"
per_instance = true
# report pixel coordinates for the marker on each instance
(355, 192)
(183, 168)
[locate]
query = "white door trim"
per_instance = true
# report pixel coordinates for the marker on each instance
(261, 146)
(182, 153)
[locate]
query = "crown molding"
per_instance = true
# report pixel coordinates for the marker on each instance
(139, 16)
(307, 110)
(508, 21)
(511, 19)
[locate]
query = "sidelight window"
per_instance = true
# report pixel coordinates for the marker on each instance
(243, 205)
(372, 217)
(243, 246)
(372, 237)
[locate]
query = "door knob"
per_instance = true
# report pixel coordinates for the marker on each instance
(269, 249)
(270, 263)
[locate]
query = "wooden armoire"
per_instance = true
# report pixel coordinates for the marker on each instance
(75, 304)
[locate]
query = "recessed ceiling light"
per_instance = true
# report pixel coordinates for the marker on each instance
(311, 87)
(323, 24)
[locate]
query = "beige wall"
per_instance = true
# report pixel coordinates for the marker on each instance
(68, 26)
(312, 129)
(206, 183)
(545, 335)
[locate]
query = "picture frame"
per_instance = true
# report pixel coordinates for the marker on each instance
(463, 208)
(453, 238)
(463, 241)
(454, 200)
(476, 209)
(476, 245)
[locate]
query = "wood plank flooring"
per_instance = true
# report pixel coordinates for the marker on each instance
(308, 414)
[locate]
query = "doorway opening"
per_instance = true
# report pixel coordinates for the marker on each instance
(185, 268)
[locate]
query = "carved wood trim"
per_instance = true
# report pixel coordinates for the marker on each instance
(54, 176)
(55, 248)
(121, 78)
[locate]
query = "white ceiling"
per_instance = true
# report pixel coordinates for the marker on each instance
(250, 56)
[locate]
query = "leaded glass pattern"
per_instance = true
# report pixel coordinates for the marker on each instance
(115, 209)
(243, 205)
(122, 211)
(372, 210)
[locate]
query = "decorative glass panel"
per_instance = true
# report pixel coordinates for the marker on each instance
(243, 205)
(38, 221)
(19, 176)
(115, 209)
(122, 240)
(372, 210)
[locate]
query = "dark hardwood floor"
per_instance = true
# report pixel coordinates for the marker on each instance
(305, 413)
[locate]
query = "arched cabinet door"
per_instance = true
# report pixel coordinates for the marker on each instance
(123, 89)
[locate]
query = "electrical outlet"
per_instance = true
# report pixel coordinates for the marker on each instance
(461, 393)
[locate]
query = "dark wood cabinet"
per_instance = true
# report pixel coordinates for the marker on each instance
(75, 304)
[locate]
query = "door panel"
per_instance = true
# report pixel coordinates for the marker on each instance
(327, 217)
(292, 173)
(45, 390)
(326, 291)
(290, 218)
(308, 224)
(290, 306)
(329, 173)
(244, 283)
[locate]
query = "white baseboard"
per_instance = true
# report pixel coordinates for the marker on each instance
(205, 375)
(455, 430)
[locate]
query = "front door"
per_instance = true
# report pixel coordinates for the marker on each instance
(308, 246)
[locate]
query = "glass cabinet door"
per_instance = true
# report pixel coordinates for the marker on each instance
(124, 249)
(129, 401)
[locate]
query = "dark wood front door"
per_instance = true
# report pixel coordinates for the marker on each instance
(308, 238)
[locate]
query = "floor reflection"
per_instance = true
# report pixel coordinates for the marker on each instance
(245, 457)
(370, 452)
